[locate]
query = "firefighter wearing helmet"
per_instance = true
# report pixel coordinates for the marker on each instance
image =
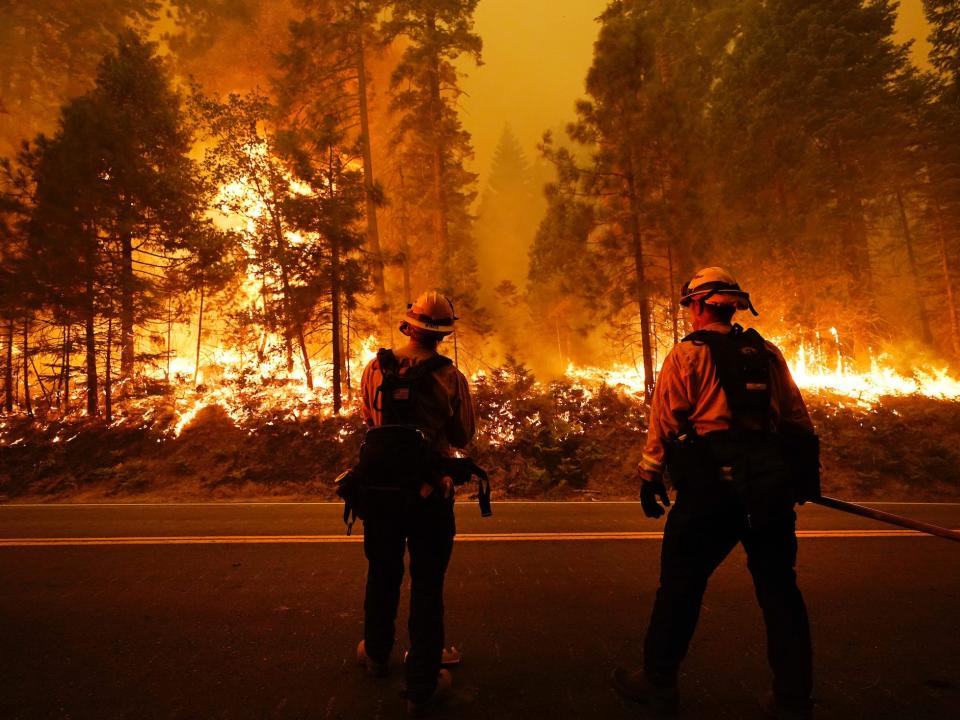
(730, 429)
(417, 408)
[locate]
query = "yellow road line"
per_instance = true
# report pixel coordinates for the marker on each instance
(336, 539)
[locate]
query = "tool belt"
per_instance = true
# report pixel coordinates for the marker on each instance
(395, 461)
(750, 467)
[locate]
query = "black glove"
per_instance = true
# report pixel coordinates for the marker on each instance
(650, 491)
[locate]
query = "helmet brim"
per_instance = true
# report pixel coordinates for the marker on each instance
(438, 328)
(736, 298)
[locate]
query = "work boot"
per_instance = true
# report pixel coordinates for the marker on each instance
(661, 698)
(372, 667)
(786, 710)
(439, 694)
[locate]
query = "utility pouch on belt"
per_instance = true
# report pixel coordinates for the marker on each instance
(801, 453)
(690, 460)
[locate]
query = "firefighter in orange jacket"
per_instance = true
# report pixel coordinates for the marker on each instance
(723, 401)
(429, 404)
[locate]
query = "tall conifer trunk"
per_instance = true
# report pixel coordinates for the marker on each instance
(925, 333)
(373, 229)
(643, 293)
(108, 374)
(196, 364)
(404, 242)
(441, 220)
(336, 322)
(8, 371)
(67, 343)
(93, 405)
(126, 304)
(947, 275)
(27, 402)
(291, 316)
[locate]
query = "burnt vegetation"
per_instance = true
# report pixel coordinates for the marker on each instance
(200, 246)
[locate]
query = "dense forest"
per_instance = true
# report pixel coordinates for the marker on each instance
(203, 193)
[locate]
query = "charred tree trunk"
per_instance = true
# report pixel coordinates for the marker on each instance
(336, 321)
(40, 383)
(643, 296)
(169, 332)
(93, 405)
(404, 242)
(27, 402)
(288, 346)
(126, 305)
(291, 316)
(196, 365)
(947, 274)
(674, 305)
(925, 333)
(857, 255)
(67, 342)
(348, 355)
(373, 229)
(8, 371)
(108, 375)
(262, 344)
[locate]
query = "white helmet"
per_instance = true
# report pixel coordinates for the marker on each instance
(715, 286)
(431, 311)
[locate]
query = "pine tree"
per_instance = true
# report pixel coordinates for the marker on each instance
(507, 216)
(807, 119)
(17, 281)
(941, 153)
(944, 19)
(430, 142)
(326, 80)
(646, 90)
(330, 213)
(116, 197)
(565, 278)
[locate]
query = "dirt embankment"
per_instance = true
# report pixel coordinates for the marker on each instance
(561, 441)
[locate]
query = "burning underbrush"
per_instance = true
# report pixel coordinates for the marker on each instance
(576, 437)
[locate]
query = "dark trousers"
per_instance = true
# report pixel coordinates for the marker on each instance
(697, 538)
(425, 528)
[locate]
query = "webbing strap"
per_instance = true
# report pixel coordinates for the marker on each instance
(742, 363)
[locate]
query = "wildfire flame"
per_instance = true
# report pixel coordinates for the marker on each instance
(241, 384)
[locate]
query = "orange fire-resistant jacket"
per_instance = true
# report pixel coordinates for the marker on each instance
(688, 393)
(447, 413)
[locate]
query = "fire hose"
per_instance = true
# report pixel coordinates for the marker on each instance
(891, 518)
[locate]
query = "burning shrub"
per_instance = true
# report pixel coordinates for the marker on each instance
(539, 439)
(576, 436)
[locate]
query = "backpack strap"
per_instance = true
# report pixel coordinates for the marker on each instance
(392, 396)
(742, 363)
(428, 366)
(389, 368)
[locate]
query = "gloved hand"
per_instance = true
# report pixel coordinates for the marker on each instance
(650, 492)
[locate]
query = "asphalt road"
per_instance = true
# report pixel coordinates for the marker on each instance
(253, 611)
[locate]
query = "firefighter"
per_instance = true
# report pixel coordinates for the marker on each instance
(416, 404)
(722, 409)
